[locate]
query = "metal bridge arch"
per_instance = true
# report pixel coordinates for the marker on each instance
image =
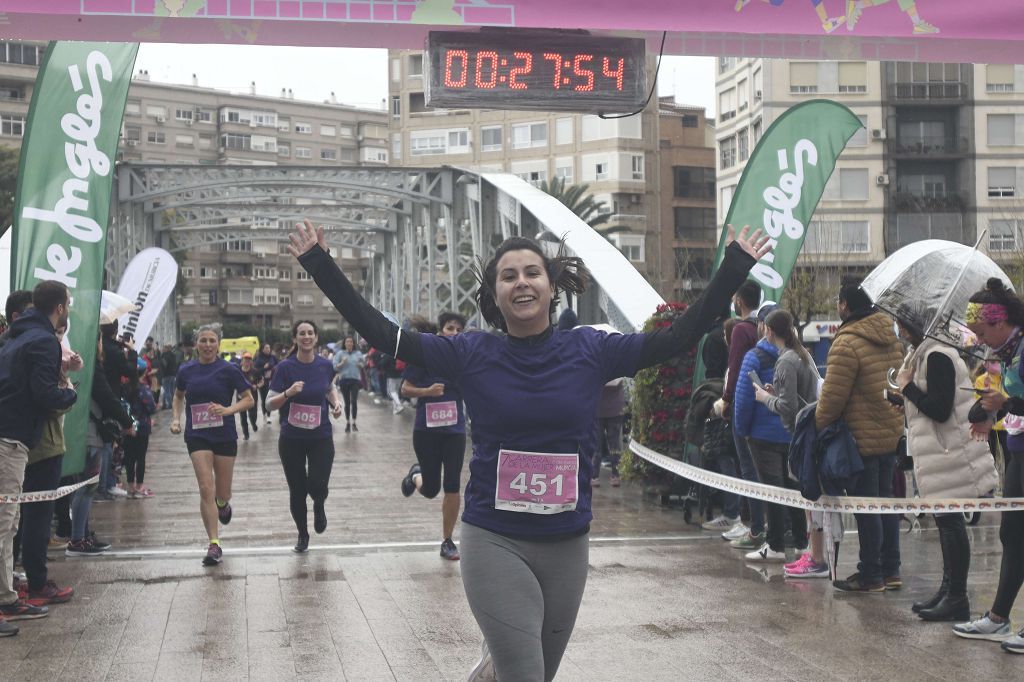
(422, 230)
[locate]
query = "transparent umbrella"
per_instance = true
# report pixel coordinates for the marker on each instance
(929, 283)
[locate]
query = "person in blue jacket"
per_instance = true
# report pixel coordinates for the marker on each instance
(769, 448)
(533, 393)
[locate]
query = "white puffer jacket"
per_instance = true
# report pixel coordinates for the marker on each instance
(947, 462)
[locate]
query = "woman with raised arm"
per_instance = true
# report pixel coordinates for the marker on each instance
(533, 394)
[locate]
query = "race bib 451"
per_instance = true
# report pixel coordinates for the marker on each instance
(536, 482)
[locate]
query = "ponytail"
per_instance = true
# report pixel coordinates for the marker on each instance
(781, 323)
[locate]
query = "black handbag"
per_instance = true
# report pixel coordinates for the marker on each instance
(718, 442)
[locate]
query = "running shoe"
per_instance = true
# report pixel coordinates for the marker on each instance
(855, 584)
(1015, 644)
(214, 554)
(57, 541)
(736, 532)
(21, 610)
(348, 428)
(983, 628)
(893, 582)
(484, 668)
(806, 570)
(82, 547)
(804, 558)
(765, 554)
(319, 517)
(50, 594)
(398, 409)
(224, 513)
(749, 541)
(118, 491)
(923, 26)
(7, 629)
(97, 543)
(409, 485)
(449, 551)
(354, 427)
(301, 546)
(720, 523)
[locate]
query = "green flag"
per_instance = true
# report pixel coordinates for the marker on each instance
(63, 197)
(783, 182)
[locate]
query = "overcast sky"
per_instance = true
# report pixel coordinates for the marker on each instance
(356, 76)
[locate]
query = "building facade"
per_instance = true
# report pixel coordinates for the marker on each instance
(253, 282)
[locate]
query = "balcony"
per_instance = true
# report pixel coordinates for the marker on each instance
(931, 147)
(930, 203)
(907, 228)
(237, 257)
(935, 91)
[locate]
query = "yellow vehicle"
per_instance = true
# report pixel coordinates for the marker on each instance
(239, 346)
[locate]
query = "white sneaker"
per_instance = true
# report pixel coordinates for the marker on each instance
(268, 421)
(118, 492)
(378, 401)
(720, 523)
(1015, 644)
(736, 532)
(484, 668)
(765, 554)
(983, 628)
(397, 409)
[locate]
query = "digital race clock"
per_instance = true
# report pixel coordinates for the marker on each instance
(512, 69)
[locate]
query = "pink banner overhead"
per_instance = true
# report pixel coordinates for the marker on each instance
(983, 30)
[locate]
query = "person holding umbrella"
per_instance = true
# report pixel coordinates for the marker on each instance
(936, 385)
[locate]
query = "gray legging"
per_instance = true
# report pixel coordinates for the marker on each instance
(525, 597)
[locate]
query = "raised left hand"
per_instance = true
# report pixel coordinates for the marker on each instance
(305, 237)
(754, 245)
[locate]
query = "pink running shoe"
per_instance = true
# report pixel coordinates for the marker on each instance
(804, 558)
(811, 569)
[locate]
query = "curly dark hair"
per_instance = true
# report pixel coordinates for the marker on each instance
(566, 273)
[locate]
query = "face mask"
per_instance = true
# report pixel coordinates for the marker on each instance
(993, 367)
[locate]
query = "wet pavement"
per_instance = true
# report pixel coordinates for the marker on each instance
(372, 600)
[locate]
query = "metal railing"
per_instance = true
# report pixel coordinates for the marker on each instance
(936, 90)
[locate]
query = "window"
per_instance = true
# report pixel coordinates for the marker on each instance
(1001, 130)
(422, 143)
(860, 138)
(743, 144)
(564, 170)
(303, 153)
(490, 139)
(596, 128)
(601, 170)
(184, 140)
(284, 274)
(999, 78)
(304, 128)
(18, 53)
(302, 276)
(637, 166)
(184, 115)
(155, 137)
(758, 85)
(133, 109)
(374, 154)
(264, 272)
(328, 154)
(132, 134)
(346, 131)
(693, 182)
(563, 131)
(631, 246)
(304, 299)
(803, 77)
(265, 296)
(240, 296)
(206, 272)
(853, 77)
(529, 135)
(236, 141)
(742, 95)
(690, 121)
(458, 141)
(12, 125)
(416, 66)
(726, 199)
(847, 184)
(695, 224)
(396, 145)
(756, 130)
(156, 112)
(1002, 235)
(923, 184)
(396, 106)
(328, 131)
(533, 177)
(204, 116)
(727, 152)
(188, 271)
(726, 64)
(241, 245)
(396, 69)
(264, 118)
(285, 300)
(840, 236)
(1002, 182)
(262, 143)
(727, 104)
(284, 150)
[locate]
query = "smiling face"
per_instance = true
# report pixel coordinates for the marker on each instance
(523, 292)
(305, 337)
(208, 346)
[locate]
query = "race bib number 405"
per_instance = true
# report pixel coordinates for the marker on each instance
(202, 418)
(304, 416)
(536, 482)
(441, 414)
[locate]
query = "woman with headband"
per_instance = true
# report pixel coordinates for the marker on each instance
(996, 316)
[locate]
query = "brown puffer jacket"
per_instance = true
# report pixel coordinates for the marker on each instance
(855, 377)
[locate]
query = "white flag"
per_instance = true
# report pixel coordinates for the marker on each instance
(148, 282)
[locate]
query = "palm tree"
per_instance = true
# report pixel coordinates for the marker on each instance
(579, 200)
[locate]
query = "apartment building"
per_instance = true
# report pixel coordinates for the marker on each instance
(617, 158)
(251, 282)
(686, 163)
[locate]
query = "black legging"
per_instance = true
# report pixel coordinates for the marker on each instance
(251, 415)
(956, 551)
(434, 450)
(1011, 535)
(294, 454)
(135, 448)
(264, 390)
(350, 394)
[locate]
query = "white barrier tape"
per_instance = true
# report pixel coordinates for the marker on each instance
(854, 505)
(46, 495)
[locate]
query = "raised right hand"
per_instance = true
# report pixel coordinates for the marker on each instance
(305, 237)
(296, 388)
(436, 390)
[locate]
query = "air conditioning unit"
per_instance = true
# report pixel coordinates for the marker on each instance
(284, 129)
(878, 134)
(252, 123)
(132, 143)
(757, 94)
(882, 179)
(188, 121)
(161, 119)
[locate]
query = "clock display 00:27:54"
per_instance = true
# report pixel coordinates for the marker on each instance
(487, 70)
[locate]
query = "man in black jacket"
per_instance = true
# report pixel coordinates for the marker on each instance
(29, 374)
(169, 363)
